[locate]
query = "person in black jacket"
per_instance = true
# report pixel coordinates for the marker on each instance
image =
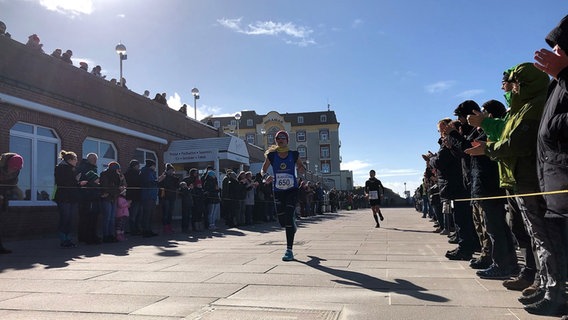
(67, 195)
(450, 180)
(168, 194)
(88, 208)
(552, 159)
(498, 257)
(110, 189)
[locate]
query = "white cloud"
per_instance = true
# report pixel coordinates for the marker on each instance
(356, 23)
(175, 102)
(292, 34)
(121, 15)
(468, 94)
(69, 7)
(439, 86)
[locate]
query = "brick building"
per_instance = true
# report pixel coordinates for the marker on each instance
(314, 134)
(47, 105)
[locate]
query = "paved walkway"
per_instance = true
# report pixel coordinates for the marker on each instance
(345, 269)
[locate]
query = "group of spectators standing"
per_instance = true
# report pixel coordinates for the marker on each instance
(115, 202)
(500, 179)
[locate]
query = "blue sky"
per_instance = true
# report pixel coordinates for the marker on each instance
(389, 69)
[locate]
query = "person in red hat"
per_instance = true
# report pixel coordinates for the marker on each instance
(284, 163)
(10, 166)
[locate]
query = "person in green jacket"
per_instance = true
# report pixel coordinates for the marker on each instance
(516, 153)
(528, 279)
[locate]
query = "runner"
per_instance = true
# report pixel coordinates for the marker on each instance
(373, 191)
(284, 162)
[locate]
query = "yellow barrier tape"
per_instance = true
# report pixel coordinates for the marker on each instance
(514, 195)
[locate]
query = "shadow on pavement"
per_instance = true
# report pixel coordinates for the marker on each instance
(46, 253)
(365, 281)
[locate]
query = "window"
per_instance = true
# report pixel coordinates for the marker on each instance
(250, 138)
(300, 119)
(323, 118)
(325, 167)
(39, 147)
(301, 136)
(233, 123)
(324, 135)
(249, 123)
(324, 151)
(104, 149)
(303, 152)
(217, 124)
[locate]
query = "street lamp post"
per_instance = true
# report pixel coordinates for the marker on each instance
(238, 117)
(263, 132)
(195, 93)
(121, 51)
(316, 169)
(405, 189)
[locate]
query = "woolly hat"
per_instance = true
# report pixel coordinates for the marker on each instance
(466, 108)
(16, 162)
(559, 35)
(495, 108)
(150, 163)
(113, 165)
(91, 176)
(282, 132)
(169, 167)
(211, 173)
(133, 163)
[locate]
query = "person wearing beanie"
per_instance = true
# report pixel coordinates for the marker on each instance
(169, 185)
(552, 157)
(284, 163)
(10, 166)
(464, 213)
(498, 258)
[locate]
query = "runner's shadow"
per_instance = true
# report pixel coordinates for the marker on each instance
(353, 278)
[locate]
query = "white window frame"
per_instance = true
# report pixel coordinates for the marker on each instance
(249, 123)
(324, 135)
(217, 124)
(250, 138)
(33, 161)
(323, 118)
(300, 119)
(301, 136)
(303, 154)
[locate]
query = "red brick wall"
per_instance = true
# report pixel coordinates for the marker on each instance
(40, 78)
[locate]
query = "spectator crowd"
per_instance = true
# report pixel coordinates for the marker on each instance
(499, 180)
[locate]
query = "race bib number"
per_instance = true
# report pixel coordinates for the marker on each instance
(373, 195)
(284, 181)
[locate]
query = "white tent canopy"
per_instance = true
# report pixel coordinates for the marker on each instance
(224, 152)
